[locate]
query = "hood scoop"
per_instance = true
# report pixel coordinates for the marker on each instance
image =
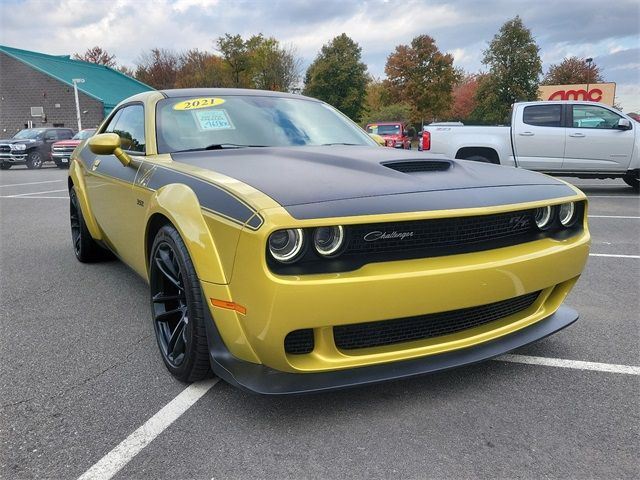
(418, 166)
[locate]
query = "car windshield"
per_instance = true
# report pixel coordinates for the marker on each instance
(384, 129)
(84, 134)
(29, 133)
(235, 121)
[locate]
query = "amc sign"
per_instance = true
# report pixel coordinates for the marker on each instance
(594, 92)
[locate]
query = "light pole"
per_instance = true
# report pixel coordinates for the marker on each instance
(588, 60)
(75, 82)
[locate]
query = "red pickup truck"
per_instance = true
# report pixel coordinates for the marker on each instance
(61, 151)
(395, 134)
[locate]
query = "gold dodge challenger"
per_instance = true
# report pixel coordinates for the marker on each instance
(287, 253)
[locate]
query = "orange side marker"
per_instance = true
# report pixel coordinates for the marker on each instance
(229, 306)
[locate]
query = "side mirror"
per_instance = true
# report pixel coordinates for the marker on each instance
(623, 124)
(108, 144)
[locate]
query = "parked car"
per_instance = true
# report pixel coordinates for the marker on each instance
(31, 146)
(395, 134)
(569, 138)
(289, 258)
(61, 151)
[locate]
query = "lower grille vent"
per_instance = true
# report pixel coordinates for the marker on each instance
(299, 342)
(388, 332)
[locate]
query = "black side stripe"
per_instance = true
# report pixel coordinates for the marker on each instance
(153, 177)
(211, 197)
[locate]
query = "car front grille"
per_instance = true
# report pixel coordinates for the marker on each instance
(5, 148)
(421, 327)
(441, 236)
(63, 149)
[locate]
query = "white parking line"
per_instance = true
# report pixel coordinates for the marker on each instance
(30, 198)
(35, 193)
(613, 216)
(612, 255)
(31, 183)
(635, 197)
(117, 458)
(575, 364)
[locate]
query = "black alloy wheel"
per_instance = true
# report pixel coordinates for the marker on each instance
(34, 160)
(176, 307)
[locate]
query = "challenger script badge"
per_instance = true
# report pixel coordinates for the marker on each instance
(378, 235)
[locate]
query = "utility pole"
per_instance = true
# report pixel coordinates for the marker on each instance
(75, 82)
(588, 60)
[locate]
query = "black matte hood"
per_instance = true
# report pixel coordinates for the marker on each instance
(296, 177)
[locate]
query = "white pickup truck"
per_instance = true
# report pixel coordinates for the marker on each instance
(575, 139)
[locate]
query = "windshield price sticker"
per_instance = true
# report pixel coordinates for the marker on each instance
(214, 120)
(194, 103)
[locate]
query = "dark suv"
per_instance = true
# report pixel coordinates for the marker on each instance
(31, 146)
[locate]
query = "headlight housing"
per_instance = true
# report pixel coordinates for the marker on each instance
(567, 214)
(328, 241)
(18, 147)
(286, 246)
(544, 217)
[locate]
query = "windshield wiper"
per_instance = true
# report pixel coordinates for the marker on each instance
(218, 146)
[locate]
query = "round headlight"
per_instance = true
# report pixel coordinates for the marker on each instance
(286, 245)
(567, 214)
(328, 240)
(543, 217)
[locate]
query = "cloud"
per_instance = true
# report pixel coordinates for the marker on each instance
(606, 32)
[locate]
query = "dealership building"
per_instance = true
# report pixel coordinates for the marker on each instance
(37, 90)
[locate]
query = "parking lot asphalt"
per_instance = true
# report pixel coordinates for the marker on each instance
(81, 372)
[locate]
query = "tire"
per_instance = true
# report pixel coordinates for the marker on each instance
(34, 160)
(633, 180)
(177, 308)
(84, 246)
(5, 166)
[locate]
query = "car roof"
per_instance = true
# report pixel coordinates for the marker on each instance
(193, 92)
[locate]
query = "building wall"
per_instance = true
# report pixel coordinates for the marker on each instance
(22, 87)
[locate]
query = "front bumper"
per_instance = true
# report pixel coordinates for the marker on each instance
(60, 157)
(267, 381)
(13, 158)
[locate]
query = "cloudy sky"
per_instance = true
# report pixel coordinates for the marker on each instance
(608, 31)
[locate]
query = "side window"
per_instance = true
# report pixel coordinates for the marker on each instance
(112, 122)
(129, 124)
(543, 115)
(592, 116)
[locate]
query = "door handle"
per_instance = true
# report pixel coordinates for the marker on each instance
(577, 135)
(526, 134)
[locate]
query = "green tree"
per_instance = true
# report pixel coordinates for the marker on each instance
(423, 77)
(572, 70)
(236, 53)
(485, 99)
(514, 66)
(396, 112)
(338, 76)
(273, 67)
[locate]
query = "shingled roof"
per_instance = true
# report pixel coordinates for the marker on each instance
(102, 83)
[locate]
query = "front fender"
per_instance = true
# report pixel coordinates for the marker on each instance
(180, 205)
(77, 178)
